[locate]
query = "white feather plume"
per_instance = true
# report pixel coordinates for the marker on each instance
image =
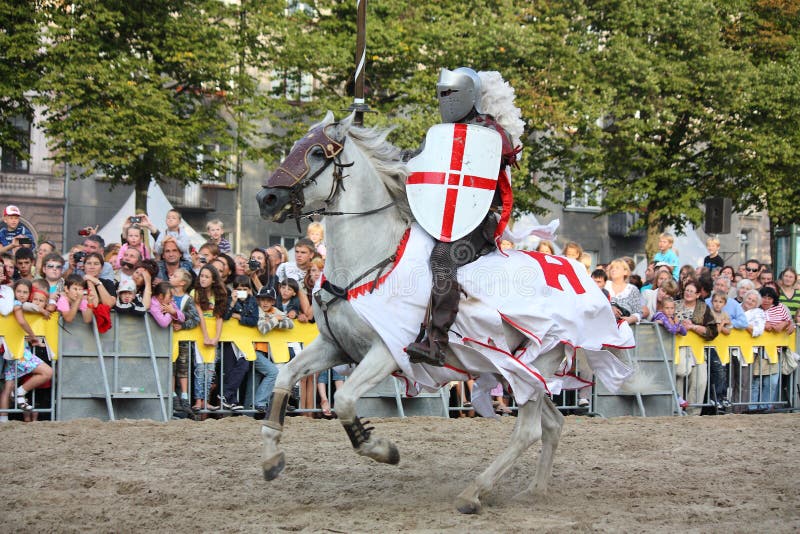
(497, 99)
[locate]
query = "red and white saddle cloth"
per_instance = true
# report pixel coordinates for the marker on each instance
(549, 299)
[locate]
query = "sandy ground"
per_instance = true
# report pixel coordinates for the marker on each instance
(727, 474)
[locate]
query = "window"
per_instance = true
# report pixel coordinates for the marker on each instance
(586, 198)
(216, 176)
(11, 162)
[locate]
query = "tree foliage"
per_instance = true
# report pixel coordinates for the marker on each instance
(20, 67)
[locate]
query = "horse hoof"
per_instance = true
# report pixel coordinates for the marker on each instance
(470, 508)
(273, 467)
(394, 455)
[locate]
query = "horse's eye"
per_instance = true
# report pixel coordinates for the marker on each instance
(317, 152)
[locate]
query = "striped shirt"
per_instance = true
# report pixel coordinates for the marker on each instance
(792, 303)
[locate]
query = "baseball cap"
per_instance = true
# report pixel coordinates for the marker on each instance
(266, 293)
(126, 285)
(11, 210)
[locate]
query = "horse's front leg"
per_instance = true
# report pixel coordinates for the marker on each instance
(376, 366)
(319, 355)
(527, 431)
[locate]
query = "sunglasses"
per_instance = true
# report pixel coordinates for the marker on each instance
(53, 266)
(748, 269)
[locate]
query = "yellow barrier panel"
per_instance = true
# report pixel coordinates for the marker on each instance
(245, 336)
(15, 335)
(737, 338)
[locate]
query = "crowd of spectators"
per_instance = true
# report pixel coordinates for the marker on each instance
(155, 270)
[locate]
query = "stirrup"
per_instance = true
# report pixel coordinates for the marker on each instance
(426, 352)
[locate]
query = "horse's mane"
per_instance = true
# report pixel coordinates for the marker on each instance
(385, 158)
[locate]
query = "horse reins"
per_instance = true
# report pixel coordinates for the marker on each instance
(293, 174)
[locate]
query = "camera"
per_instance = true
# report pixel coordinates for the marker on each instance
(254, 265)
(136, 220)
(78, 256)
(24, 240)
(202, 259)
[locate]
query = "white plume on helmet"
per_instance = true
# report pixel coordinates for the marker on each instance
(497, 100)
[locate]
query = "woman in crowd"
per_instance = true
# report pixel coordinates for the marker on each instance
(102, 288)
(625, 297)
(545, 247)
(264, 274)
(788, 294)
(696, 317)
(742, 287)
(211, 300)
(766, 375)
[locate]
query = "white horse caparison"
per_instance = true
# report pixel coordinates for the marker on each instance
(360, 179)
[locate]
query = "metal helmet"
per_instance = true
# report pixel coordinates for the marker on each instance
(458, 92)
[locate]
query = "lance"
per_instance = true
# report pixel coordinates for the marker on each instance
(359, 105)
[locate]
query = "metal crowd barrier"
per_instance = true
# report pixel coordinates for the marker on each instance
(127, 371)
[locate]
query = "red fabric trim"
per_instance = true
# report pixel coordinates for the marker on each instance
(513, 357)
(507, 196)
(366, 287)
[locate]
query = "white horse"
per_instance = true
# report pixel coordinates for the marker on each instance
(359, 178)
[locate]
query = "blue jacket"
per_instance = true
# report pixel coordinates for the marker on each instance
(247, 310)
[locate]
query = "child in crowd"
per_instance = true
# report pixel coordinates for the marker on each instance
(718, 371)
(29, 364)
(44, 248)
(269, 318)
(127, 300)
(39, 299)
(244, 308)
(163, 310)
(666, 255)
(134, 238)
(173, 220)
(211, 301)
(289, 303)
(316, 233)
(53, 269)
(181, 282)
(73, 300)
(215, 230)
(713, 260)
(13, 233)
(666, 317)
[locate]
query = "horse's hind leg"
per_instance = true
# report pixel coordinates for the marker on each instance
(527, 431)
(376, 366)
(552, 422)
(319, 355)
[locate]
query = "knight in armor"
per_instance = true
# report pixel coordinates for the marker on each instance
(459, 95)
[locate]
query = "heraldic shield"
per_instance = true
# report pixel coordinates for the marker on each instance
(451, 183)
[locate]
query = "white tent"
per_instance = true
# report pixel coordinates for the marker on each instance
(157, 208)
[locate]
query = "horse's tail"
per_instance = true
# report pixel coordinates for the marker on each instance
(642, 381)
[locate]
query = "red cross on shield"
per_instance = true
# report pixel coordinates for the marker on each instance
(452, 181)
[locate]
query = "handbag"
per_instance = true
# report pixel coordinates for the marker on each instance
(789, 362)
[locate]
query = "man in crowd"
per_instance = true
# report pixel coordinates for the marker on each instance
(304, 250)
(766, 276)
(127, 264)
(752, 268)
(171, 259)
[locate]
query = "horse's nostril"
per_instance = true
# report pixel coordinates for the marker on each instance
(270, 200)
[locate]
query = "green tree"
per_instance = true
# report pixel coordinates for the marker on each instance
(20, 69)
(655, 119)
(767, 34)
(135, 90)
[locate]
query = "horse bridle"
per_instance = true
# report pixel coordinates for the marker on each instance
(293, 174)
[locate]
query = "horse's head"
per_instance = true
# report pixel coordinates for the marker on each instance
(309, 173)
